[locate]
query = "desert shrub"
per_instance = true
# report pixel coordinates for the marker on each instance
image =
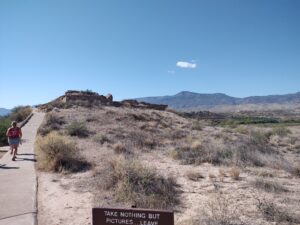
(269, 185)
(260, 137)
(245, 155)
(281, 131)
(77, 129)
(142, 140)
(139, 117)
(91, 119)
(188, 155)
(4, 125)
(196, 126)
(197, 154)
(265, 173)
(120, 148)
(56, 153)
(296, 171)
(101, 138)
(51, 122)
(178, 134)
(242, 130)
(235, 173)
(140, 186)
(20, 113)
(219, 210)
(194, 176)
(89, 92)
(292, 169)
(272, 212)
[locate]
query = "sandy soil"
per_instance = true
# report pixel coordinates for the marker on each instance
(59, 202)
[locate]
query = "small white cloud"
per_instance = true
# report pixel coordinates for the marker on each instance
(171, 71)
(186, 65)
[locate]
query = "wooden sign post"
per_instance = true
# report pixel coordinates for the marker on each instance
(118, 216)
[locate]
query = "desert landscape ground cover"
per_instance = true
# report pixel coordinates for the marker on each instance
(208, 173)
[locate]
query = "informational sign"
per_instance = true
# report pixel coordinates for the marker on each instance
(117, 216)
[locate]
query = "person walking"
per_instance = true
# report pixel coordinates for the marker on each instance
(14, 135)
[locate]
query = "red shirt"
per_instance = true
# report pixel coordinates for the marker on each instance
(14, 132)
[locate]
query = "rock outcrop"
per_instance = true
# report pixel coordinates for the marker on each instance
(91, 99)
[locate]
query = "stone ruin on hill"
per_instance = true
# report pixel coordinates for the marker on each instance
(90, 99)
(86, 96)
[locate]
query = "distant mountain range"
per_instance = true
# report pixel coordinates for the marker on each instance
(186, 100)
(4, 111)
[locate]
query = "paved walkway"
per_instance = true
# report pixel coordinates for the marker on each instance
(18, 182)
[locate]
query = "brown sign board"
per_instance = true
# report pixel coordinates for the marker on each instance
(118, 216)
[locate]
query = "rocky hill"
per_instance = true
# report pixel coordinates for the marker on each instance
(189, 100)
(107, 156)
(93, 99)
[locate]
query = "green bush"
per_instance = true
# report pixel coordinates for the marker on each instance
(4, 125)
(248, 120)
(77, 129)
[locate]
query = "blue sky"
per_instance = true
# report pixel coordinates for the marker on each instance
(138, 48)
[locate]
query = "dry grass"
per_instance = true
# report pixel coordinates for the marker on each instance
(212, 176)
(196, 126)
(269, 185)
(296, 171)
(120, 148)
(242, 130)
(281, 131)
(20, 113)
(219, 210)
(56, 153)
(198, 153)
(274, 213)
(258, 137)
(140, 186)
(194, 176)
(51, 122)
(142, 140)
(266, 174)
(101, 139)
(235, 173)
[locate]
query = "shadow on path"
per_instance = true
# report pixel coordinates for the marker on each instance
(25, 159)
(3, 166)
(26, 154)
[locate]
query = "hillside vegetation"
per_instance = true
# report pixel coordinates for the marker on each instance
(209, 173)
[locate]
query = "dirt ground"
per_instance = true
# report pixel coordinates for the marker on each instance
(62, 197)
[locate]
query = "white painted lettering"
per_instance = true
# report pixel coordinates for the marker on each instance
(111, 213)
(153, 216)
(119, 221)
(146, 222)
